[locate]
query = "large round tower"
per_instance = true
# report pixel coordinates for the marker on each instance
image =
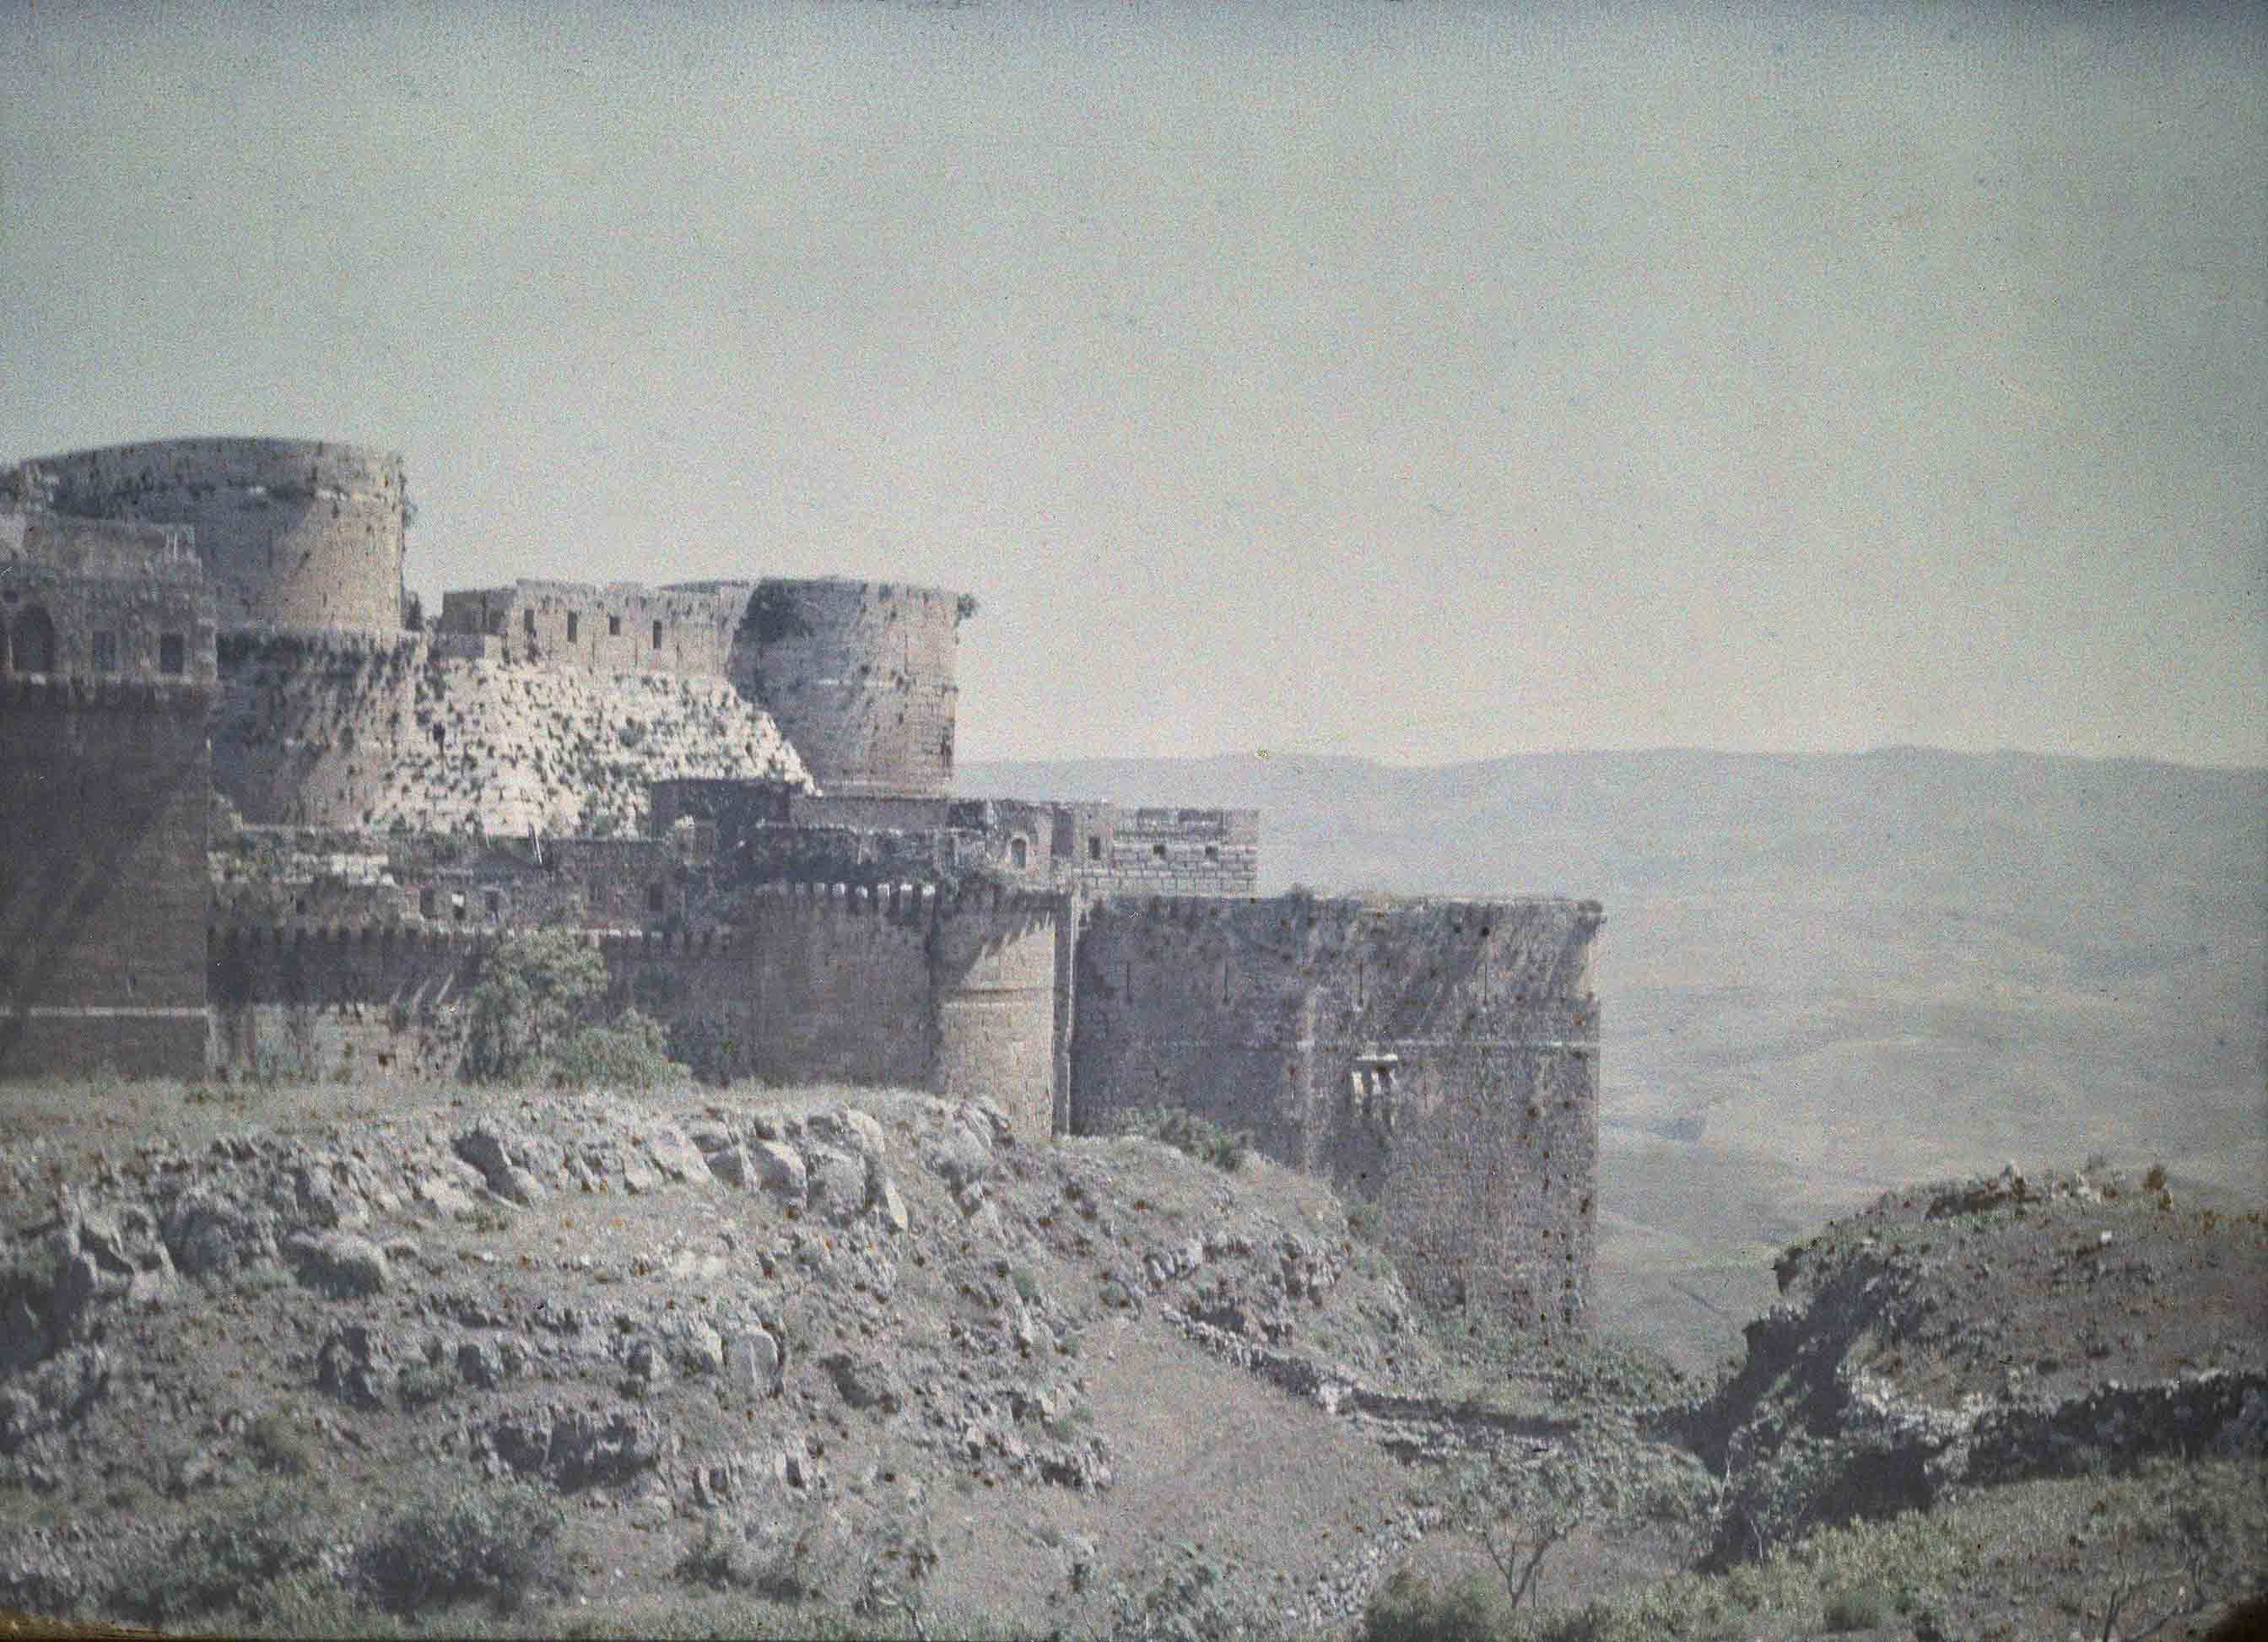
(293, 532)
(858, 676)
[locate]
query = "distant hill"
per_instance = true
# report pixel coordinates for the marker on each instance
(1825, 976)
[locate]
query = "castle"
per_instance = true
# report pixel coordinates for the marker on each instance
(261, 816)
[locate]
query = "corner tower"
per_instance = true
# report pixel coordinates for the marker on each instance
(292, 532)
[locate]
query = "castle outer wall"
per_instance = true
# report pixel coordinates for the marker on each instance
(1438, 1058)
(294, 533)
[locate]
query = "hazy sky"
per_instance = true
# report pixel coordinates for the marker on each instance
(1416, 380)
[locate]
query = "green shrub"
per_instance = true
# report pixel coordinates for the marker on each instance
(1191, 1134)
(497, 1544)
(1410, 1608)
(220, 1560)
(632, 1054)
(533, 989)
(423, 1385)
(276, 1445)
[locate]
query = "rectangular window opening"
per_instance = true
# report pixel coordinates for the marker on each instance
(173, 653)
(654, 897)
(1094, 848)
(495, 902)
(657, 635)
(105, 652)
(573, 624)
(613, 627)
(527, 621)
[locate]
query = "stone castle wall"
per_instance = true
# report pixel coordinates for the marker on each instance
(1438, 1057)
(104, 785)
(621, 628)
(1109, 850)
(953, 993)
(296, 533)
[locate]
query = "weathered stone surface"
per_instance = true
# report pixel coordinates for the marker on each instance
(355, 1365)
(866, 1383)
(752, 1363)
(51, 1395)
(700, 1348)
(497, 1153)
(575, 1447)
(207, 1230)
(837, 1183)
(780, 1167)
(730, 1164)
(339, 1263)
(673, 1153)
(891, 1208)
(852, 1129)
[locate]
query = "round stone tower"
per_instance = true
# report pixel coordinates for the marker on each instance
(858, 676)
(293, 532)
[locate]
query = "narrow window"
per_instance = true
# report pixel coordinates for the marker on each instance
(105, 652)
(657, 635)
(457, 904)
(1212, 852)
(654, 897)
(1018, 853)
(527, 621)
(1093, 849)
(440, 734)
(573, 624)
(1157, 849)
(172, 653)
(425, 903)
(495, 902)
(613, 627)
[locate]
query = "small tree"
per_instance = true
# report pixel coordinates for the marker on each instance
(535, 989)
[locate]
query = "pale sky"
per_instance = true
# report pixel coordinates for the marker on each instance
(1420, 381)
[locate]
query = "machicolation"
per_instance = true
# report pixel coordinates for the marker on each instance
(257, 825)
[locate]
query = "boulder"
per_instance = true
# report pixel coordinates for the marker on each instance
(781, 1171)
(207, 1230)
(837, 1183)
(866, 1383)
(853, 1130)
(355, 1366)
(673, 1153)
(502, 1159)
(340, 1264)
(752, 1363)
(730, 1164)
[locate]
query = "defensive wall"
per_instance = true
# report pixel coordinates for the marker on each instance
(622, 627)
(296, 533)
(1440, 1057)
(908, 985)
(106, 680)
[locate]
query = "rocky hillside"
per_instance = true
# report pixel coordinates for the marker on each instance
(515, 749)
(605, 1364)
(777, 1348)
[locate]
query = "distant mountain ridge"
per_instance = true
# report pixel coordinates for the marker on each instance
(1826, 974)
